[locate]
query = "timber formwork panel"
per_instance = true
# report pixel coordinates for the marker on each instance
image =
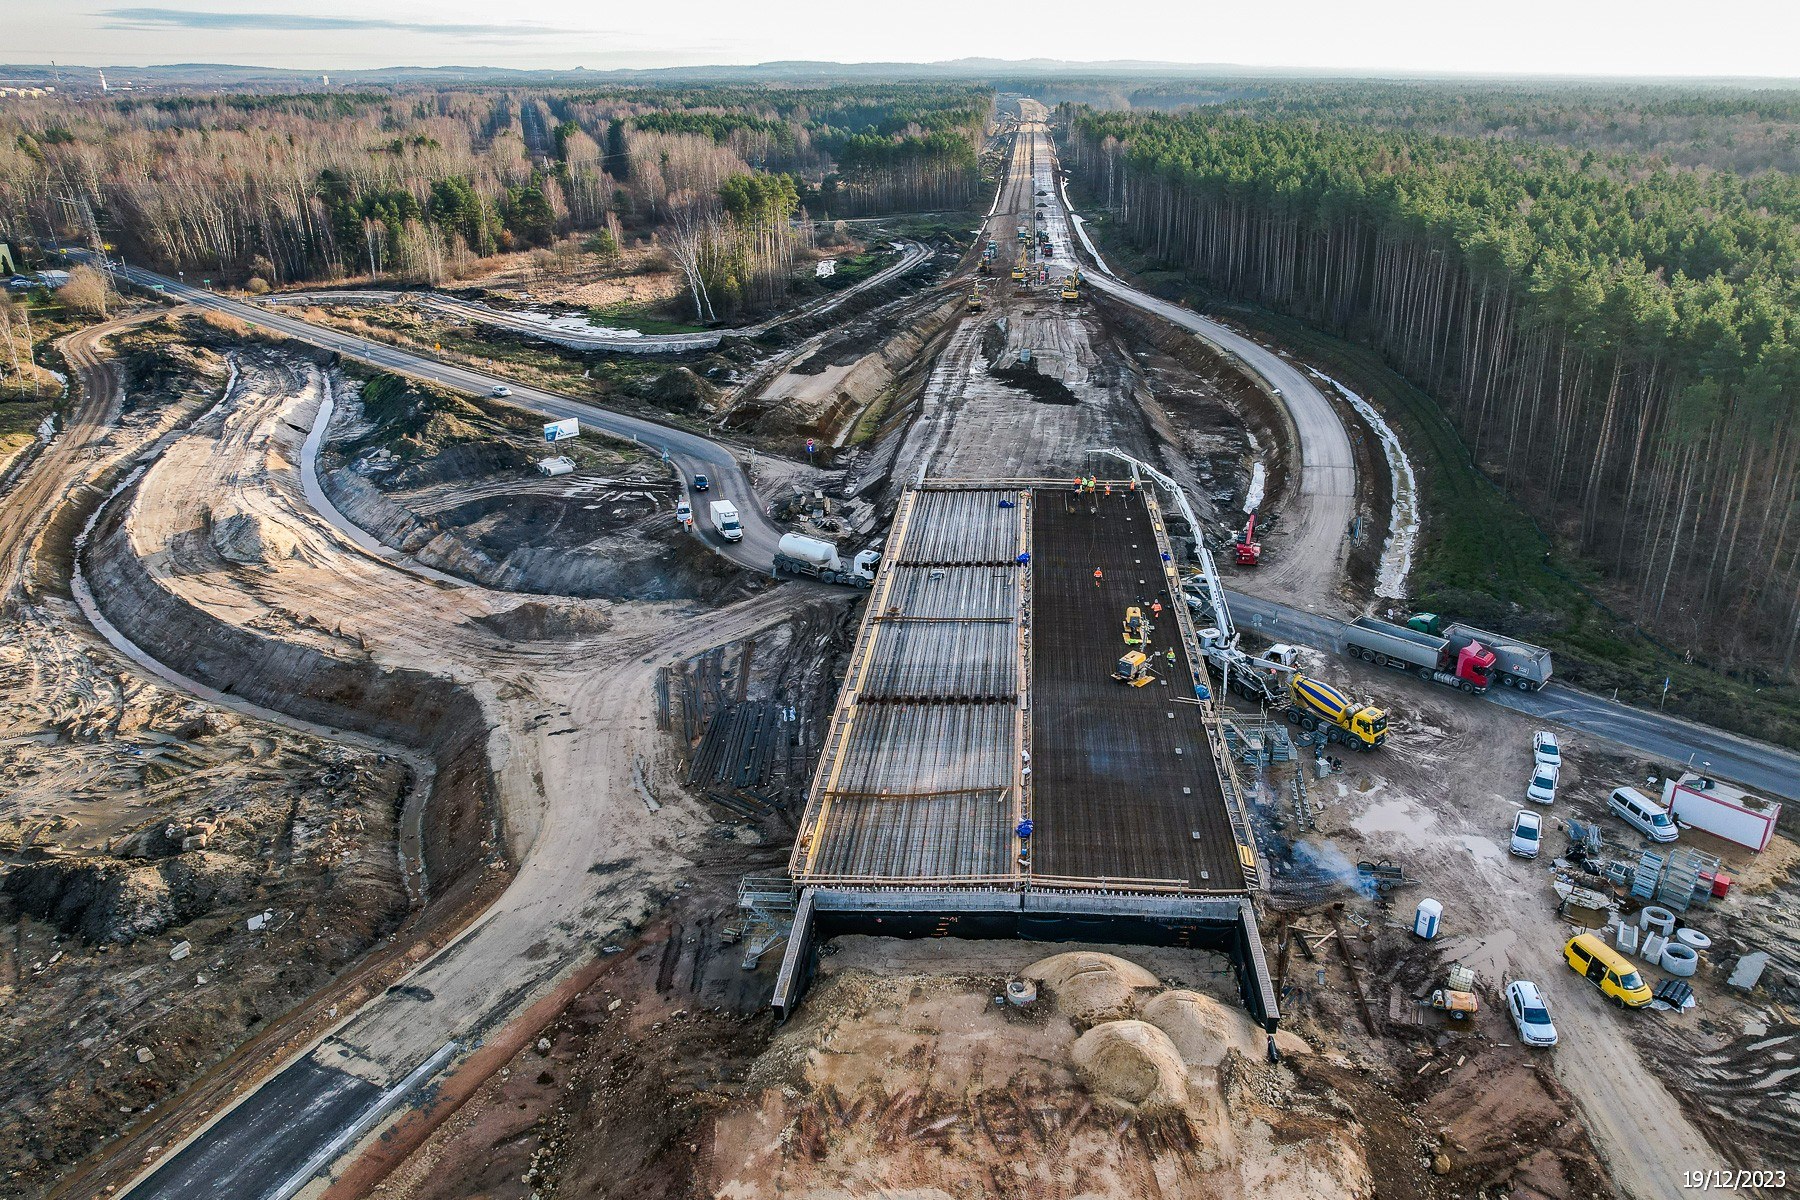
(947, 633)
(1124, 781)
(923, 792)
(962, 528)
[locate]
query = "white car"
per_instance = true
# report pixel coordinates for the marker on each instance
(1545, 749)
(1530, 1013)
(1542, 788)
(500, 389)
(1527, 832)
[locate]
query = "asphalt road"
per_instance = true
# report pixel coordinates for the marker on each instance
(1760, 767)
(257, 1147)
(691, 453)
(911, 254)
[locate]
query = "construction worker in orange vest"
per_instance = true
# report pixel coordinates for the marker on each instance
(1156, 608)
(1096, 576)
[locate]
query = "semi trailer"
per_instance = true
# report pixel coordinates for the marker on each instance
(1458, 661)
(1517, 664)
(797, 554)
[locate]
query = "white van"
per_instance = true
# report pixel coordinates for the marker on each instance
(1643, 814)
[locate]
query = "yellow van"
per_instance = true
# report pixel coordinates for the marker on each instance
(1608, 970)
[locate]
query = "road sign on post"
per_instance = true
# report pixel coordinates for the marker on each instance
(810, 447)
(556, 431)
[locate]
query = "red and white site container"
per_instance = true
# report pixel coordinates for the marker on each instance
(1724, 810)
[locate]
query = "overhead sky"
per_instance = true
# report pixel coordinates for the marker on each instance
(1581, 37)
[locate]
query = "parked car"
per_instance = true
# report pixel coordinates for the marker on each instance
(500, 389)
(1643, 814)
(1607, 970)
(1527, 833)
(1545, 749)
(701, 483)
(1542, 788)
(684, 513)
(1530, 1013)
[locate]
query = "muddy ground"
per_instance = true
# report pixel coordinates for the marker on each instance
(141, 832)
(1438, 799)
(454, 482)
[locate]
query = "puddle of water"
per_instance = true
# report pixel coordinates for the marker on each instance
(1397, 819)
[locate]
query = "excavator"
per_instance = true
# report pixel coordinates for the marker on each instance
(1071, 288)
(976, 301)
(1249, 550)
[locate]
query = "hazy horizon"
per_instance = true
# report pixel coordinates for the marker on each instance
(1736, 39)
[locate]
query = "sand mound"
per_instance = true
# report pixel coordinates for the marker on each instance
(1203, 1029)
(1132, 1063)
(249, 538)
(1089, 988)
(539, 620)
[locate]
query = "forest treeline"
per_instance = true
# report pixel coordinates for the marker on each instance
(1618, 339)
(418, 184)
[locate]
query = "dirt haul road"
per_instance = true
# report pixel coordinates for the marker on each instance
(77, 448)
(221, 524)
(1307, 548)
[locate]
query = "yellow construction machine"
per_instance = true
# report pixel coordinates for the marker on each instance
(976, 301)
(1071, 288)
(1136, 632)
(1134, 670)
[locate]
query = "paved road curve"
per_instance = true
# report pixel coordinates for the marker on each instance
(1314, 537)
(911, 254)
(691, 453)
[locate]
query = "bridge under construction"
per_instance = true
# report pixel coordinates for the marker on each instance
(987, 775)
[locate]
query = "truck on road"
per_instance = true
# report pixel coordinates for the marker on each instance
(1459, 661)
(1517, 664)
(797, 554)
(725, 520)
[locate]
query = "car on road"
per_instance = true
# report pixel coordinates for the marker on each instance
(1527, 833)
(1530, 1013)
(1542, 788)
(684, 513)
(701, 483)
(1546, 751)
(500, 389)
(1607, 970)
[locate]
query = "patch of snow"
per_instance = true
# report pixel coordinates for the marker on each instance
(568, 324)
(46, 430)
(1253, 499)
(1403, 521)
(825, 269)
(1081, 230)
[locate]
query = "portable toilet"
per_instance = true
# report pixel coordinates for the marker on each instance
(1425, 921)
